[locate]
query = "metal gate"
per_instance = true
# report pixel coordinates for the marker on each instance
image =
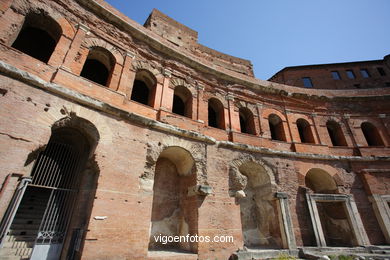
(57, 170)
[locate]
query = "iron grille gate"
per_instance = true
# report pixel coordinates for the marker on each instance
(56, 170)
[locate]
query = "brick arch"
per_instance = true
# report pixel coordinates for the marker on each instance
(155, 149)
(335, 119)
(96, 42)
(143, 65)
(267, 112)
(372, 121)
(251, 107)
(175, 82)
(333, 172)
(219, 96)
(38, 8)
(238, 181)
(87, 128)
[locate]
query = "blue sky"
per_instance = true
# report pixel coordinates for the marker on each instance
(274, 34)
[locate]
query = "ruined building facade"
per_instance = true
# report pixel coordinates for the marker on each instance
(112, 133)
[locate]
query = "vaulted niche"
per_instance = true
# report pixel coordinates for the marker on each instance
(174, 213)
(38, 36)
(247, 122)
(182, 102)
(371, 134)
(276, 128)
(144, 88)
(216, 114)
(259, 217)
(98, 66)
(336, 133)
(305, 132)
(333, 214)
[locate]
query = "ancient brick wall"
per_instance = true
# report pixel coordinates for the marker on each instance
(142, 147)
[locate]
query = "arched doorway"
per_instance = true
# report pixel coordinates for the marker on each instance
(41, 225)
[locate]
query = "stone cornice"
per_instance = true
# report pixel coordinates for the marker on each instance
(28, 78)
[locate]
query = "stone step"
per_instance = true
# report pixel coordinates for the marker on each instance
(30, 215)
(19, 244)
(23, 232)
(32, 207)
(25, 226)
(21, 252)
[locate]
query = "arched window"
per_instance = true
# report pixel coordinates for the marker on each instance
(276, 128)
(371, 134)
(247, 122)
(305, 132)
(216, 113)
(98, 66)
(336, 133)
(144, 87)
(38, 36)
(182, 102)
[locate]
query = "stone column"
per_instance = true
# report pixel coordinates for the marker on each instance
(315, 220)
(70, 63)
(382, 213)
(356, 222)
(286, 227)
(127, 77)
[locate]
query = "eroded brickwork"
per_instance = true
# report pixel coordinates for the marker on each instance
(183, 141)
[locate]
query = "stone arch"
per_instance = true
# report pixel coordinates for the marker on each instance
(155, 149)
(143, 65)
(87, 128)
(259, 219)
(173, 212)
(249, 106)
(176, 82)
(238, 181)
(93, 41)
(221, 96)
